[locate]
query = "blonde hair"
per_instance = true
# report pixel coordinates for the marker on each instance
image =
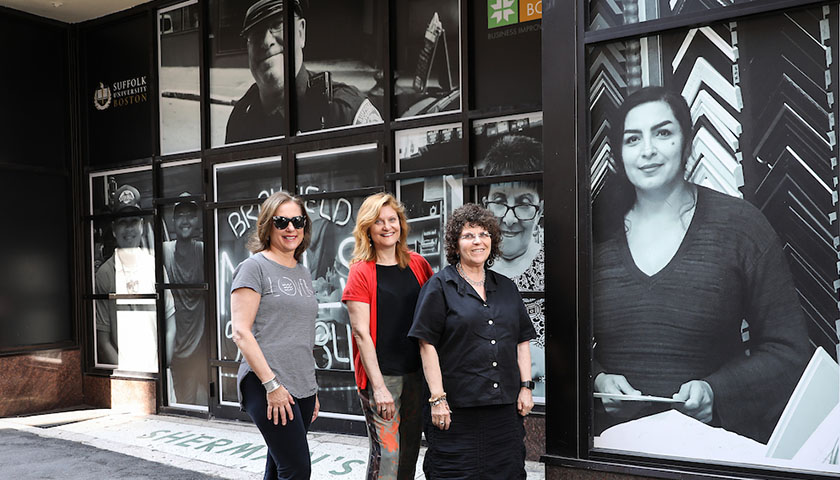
(260, 238)
(367, 216)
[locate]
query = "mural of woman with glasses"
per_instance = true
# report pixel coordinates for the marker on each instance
(519, 208)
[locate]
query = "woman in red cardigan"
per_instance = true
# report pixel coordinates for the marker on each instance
(381, 292)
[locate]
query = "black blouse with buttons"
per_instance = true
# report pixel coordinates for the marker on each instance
(475, 340)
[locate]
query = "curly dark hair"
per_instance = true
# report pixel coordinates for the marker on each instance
(476, 215)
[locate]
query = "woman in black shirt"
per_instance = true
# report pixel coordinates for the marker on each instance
(474, 332)
(381, 291)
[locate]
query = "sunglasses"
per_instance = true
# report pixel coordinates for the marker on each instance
(281, 223)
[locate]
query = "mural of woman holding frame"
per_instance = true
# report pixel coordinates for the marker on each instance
(692, 294)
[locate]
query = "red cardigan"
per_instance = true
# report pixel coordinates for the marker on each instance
(361, 287)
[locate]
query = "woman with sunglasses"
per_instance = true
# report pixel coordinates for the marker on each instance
(381, 292)
(474, 334)
(273, 308)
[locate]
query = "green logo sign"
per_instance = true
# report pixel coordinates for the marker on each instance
(501, 13)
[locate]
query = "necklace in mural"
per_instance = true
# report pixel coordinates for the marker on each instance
(131, 285)
(463, 275)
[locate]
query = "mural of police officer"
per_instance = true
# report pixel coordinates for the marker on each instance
(321, 102)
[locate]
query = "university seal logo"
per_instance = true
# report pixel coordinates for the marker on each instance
(102, 97)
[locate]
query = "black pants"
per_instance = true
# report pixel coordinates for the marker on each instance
(288, 449)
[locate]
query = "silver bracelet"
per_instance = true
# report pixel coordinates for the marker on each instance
(272, 385)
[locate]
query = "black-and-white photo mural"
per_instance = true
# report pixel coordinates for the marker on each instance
(246, 81)
(508, 146)
(337, 83)
(123, 262)
(237, 181)
(512, 145)
(714, 284)
(182, 250)
(178, 78)
(611, 13)
(427, 63)
(328, 259)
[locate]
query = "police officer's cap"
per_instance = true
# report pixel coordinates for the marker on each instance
(265, 9)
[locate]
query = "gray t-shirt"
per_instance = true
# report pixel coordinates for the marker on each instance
(285, 322)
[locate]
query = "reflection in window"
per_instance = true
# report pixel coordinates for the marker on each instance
(427, 64)
(337, 169)
(109, 190)
(430, 147)
(428, 203)
(247, 179)
(180, 177)
(340, 83)
(228, 386)
(508, 145)
(233, 226)
(328, 260)
(180, 116)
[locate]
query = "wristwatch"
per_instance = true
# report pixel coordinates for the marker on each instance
(529, 384)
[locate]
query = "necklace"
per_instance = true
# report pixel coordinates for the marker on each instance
(132, 285)
(463, 275)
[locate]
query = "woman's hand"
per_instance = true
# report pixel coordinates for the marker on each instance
(611, 383)
(384, 402)
(699, 400)
(280, 403)
(317, 408)
(525, 401)
(441, 415)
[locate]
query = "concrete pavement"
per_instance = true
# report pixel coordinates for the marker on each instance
(104, 444)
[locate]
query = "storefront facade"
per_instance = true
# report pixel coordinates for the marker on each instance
(163, 149)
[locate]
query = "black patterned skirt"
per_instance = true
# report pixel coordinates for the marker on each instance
(482, 443)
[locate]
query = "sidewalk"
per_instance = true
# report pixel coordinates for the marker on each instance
(104, 444)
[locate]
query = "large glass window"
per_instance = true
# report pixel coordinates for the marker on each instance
(122, 250)
(712, 172)
(246, 102)
(182, 252)
(339, 83)
(427, 67)
(328, 259)
(178, 78)
(242, 182)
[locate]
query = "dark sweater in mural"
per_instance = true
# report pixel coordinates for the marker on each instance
(688, 321)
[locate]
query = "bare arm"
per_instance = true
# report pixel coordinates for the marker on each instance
(170, 337)
(244, 304)
(441, 417)
(107, 352)
(360, 323)
(525, 400)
